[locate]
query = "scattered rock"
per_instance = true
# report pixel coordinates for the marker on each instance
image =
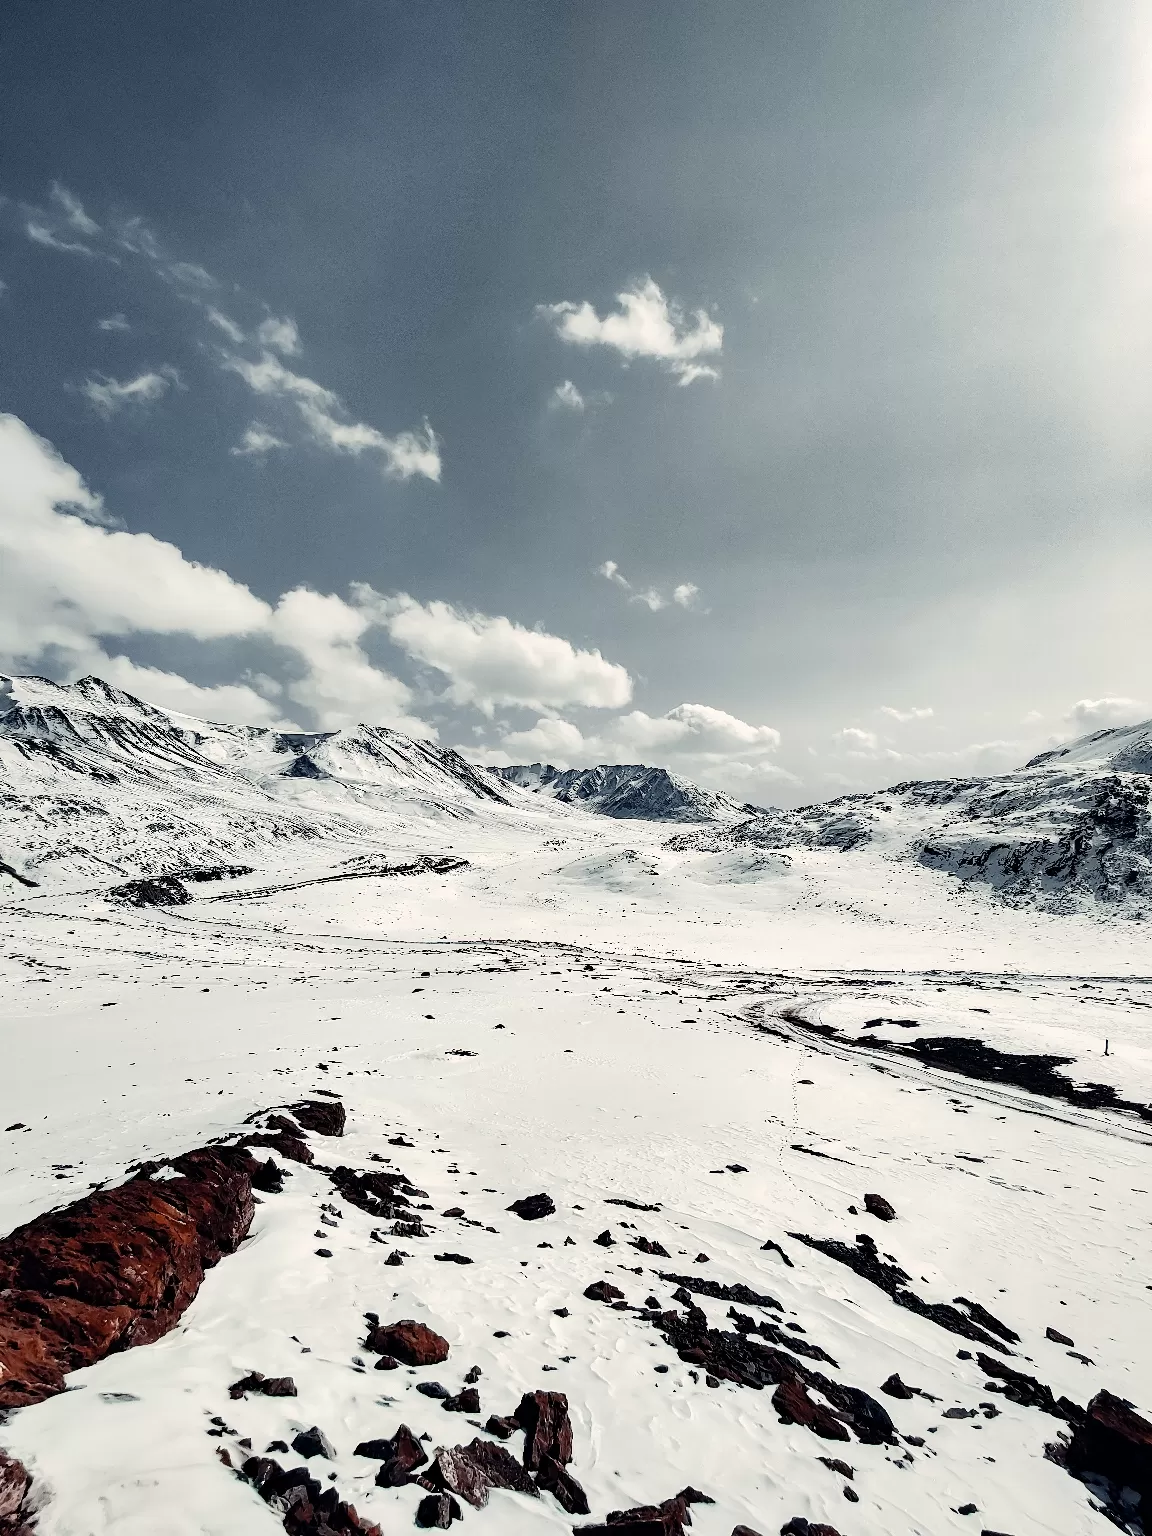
(437, 1511)
(452, 1258)
(306, 1508)
(433, 1389)
(1027, 1391)
(792, 1402)
(835, 1465)
(500, 1467)
(410, 1342)
(502, 1428)
(773, 1247)
(533, 1207)
(15, 1484)
(877, 1206)
(387, 1363)
(602, 1290)
(894, 1387)
(401, 1455)
(605, 1239)
(472, 1375)
(314, 1442)
(159, 891)
(543, 1416)
(649, 1245)
(454, 1471)
(631, 1205)
(798, 1526)
(741, 1293)
(558, 1481)
(1058, 1338)
(467, 1401)
(320, 1117)
(265, 1386)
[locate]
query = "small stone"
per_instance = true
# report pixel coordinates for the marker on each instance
(605, 1239)
(702, 1258)
(387, 1363)
(966, 1509)
(472, 1375)
(432, 1389)
(314, 1442)
(711, 1381)
(437, 1512)
(1058, 1338)
(452, 1258)
(603, 1290)
(560, 1311)
(467, 1401)
(894, 1387)
(502, 1428)
(877, 1206)
(323, 1253)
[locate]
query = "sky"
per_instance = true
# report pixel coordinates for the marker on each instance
(762, 390)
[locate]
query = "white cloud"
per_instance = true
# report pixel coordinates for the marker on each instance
(855, 741)
(1094, 714)
(225, 323)
(229, 703)
(279, 335)
(407, 454)
(646, 324)
(567, 397)
(73, 210)
(905, 715)
(341, 685)
(685, 595)
(257, 440)
(39, 232)
(107, 396)
(548, 741)
(117, 322)
(491, 661)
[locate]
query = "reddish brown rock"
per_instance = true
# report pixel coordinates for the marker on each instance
(602, 1290)
(437, 1512)
(564, 1488)
(502, 1428)
(408, 1341)
(500, 1467)
(454, 1471)
(264, 1386)
(877, 1206)
(1115, 1442)
(465, 1401)
(667, 1519)
(115, 1269)
(792, 1403)
(543, 1416)
(15, 1483)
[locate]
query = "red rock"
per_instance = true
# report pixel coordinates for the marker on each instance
(543, 1416)
(410, 1342)
(502, 1428)
(14, 1485)
(792, 1403)
(115, 1269)
(559, 1482)
(1113, 1441)
(601, 1290)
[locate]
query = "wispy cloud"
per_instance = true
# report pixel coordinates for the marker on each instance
(686, 595)
(566, 397)
(1095, 714)
(905, 715)
(108, 396)
(645, 324)
(257, 440)
(116, 322)
(73, 210)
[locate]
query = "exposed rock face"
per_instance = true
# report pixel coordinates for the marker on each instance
(159, 891)
(116, 1268)
(543, 1416)
(322, 1116)
(15, 1484)
(307, 1508)
(411, 1342)
(563, 1487)
(627, 791)
(533, 1207)
(667, 1519)
(792, 1403)
(1113, 1441)
(401, 1456)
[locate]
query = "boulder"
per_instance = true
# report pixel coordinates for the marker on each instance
(559, 1482)
(437, 1512)
(602, 1290)
(877, 1206)
(1115, 1442)
(321, 1116)
(543, 1416)
(314, 1442)
(533, 1207)
(410, 1342)
(792, 1402)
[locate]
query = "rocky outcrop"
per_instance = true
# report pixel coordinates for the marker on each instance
(305, 1506)
(115, 1269)
(533, 1207)
(543, 1416)
(159, 891)
(1114, 1442)
(15, 1486)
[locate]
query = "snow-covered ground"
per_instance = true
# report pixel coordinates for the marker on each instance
(586, 1011)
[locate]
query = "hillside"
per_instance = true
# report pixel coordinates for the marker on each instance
(627, 792)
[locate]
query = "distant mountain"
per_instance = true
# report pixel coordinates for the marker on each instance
(1072, 829)
(95, 781)
(627, 791)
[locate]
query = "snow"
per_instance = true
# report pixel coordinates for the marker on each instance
(648, 996)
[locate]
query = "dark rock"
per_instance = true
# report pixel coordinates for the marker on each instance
(1027, 1391)
(987, 1319)
(452, 1258)
(559, 1482)
(649, 1245)
(454, 1471)
(453, 1210)
(265, 1386)
(602, 1290)
(500, 1467)
(403, 1454)
(502, 1428)
(894, 1387)
(766, 1330)
(314, 1442)
(1058, 1338)
(533, 1207)
(792, 1402)
(631, 1205)
(835, 1465)
(850, 1494)
(966, 1509)
(741, 1293)
(744, 1530)
(543, 1416)
(773, 1247)
(605, 1239)
(437, 1511)
(382, 1194)
(410, 1342)
(877, 1206)
(159, 891)
(798, 1526)
(467, 1401)
(433, 1389)
(1113, 1441)
(320, 1116)
(692, 1495)
(387, 1363)
(702, 1258)
(115, 1269)
(394, 1258)
(472, 1375)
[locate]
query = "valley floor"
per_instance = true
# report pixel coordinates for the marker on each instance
(597, 1018)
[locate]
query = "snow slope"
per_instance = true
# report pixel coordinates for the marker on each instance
(627, 791)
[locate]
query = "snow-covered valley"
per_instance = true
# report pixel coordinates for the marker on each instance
(709, 1041)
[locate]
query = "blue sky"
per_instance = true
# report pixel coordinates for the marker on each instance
(761, 389)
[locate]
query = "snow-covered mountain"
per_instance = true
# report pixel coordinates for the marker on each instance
(1071, 829)
(629, 791)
